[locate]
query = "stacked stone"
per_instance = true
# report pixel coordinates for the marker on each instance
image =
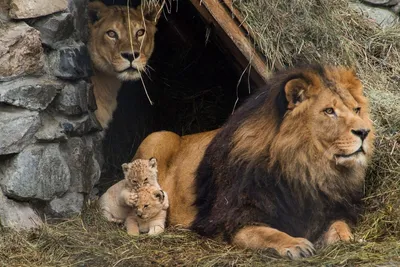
(384, 12)
(50, 143)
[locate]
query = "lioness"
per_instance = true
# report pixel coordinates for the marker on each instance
(285, 172)
(120, 44)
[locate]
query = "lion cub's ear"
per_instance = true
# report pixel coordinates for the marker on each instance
(159, 194)
(125, 167)
(153, 162)
(295, 91)
(96, 10)
(150, 11)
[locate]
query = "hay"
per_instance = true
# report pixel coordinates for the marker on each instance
(287, 32)
(88, 240)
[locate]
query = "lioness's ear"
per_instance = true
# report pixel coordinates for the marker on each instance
(153, 162)
(295, 92)
(96, 10)
(159, 194)
(151, 12)
(125, 167)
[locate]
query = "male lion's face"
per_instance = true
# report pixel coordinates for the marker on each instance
(335, 114)
(121, 41)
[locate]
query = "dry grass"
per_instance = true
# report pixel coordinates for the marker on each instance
(88, 240)
(287, 32)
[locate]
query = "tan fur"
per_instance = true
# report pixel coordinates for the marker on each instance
(149, 212)
(338, 231)
(256, 237)
(119, 199)
(179, 157)
(110, 67)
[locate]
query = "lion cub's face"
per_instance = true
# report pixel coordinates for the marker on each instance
(335, 114)
(121, 41)
(141, 172)
(149, 203)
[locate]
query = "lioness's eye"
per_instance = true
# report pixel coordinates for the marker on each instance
(146, 180)
(357, 110)
(140, 33)
(329, 111)
(112, 34)
(145, 206)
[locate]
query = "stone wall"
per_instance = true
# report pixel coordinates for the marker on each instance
(50, 145)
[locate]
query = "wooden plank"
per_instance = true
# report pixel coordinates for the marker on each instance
(238, 15)
(214, 12)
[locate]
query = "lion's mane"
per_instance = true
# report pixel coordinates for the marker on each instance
(260, 168)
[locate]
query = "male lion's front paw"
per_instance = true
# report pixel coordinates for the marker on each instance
(132, 199)
(338, 231)
(296, 248)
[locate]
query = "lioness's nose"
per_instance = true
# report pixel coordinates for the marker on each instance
(129, 56)
(362, 133)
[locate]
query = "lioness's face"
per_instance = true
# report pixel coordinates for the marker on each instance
(121, 40)
(338, 118)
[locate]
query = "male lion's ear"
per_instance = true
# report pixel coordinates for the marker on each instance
(125, 167)
(153, 162)
(295, 91)
(151, 12)
(96, 9)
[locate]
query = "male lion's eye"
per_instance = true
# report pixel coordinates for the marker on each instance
(112, 34)
(145, 206)
(329, 111)
(140, 33)
(357, 110)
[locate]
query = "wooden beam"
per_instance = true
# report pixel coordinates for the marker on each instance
(213, 11)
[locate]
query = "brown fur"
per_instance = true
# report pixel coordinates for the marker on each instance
(110, 67)
(265, 136)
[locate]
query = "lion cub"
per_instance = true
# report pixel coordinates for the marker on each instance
(149, 212)
(119, 199)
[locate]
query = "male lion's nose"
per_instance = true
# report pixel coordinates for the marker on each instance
(362, 133)
(129, 56)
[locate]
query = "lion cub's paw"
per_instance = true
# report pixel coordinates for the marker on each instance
(297, 248)
(338, 231)
(132, 199)
(156, 229)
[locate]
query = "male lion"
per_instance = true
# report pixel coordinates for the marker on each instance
(285, 172)
(118, 55)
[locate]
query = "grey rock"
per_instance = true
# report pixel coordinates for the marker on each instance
(30, 93)
(75, 99)
(4, 9)
(21, 51)
(38, 172)
(80, 126)
(383, 17)
(96, 141)
(51, 129)
(18, 128)
(78, 8)
(66, 206)
(72, 62)
(85, 170)
(16, 215)
(55, 28)
(23, 9)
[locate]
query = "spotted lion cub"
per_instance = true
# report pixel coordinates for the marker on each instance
(119, 199)
(149, 212)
